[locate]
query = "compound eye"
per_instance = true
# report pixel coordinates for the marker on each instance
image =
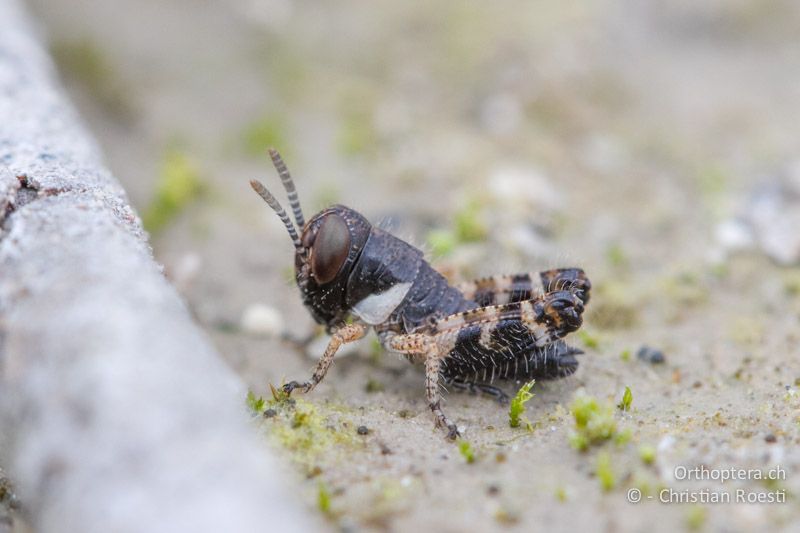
(330, 249)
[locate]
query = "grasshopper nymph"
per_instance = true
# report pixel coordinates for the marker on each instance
(353, 276)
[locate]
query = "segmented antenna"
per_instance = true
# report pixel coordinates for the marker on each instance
(278, 208)
(288, 184)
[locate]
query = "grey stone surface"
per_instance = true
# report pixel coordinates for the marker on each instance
(115, 412)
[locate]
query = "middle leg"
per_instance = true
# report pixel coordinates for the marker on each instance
(427, 347)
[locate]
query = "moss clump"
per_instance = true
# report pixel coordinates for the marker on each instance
(441, 242)
(627, 400)
(309, 433)
(324, 499)
(469, 224)
(466, 451)
(373, 385)
(647, 454)
(257, 404)
(517, 407)
(594, 423)
(179, 184)
(589, 340)
(695, 518)
(604, 472)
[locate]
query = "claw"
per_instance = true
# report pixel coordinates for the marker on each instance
(292, 385)
(452, 432)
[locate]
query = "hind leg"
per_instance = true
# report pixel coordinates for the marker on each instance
(498, 290)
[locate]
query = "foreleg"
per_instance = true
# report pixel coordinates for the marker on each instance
(343, 335)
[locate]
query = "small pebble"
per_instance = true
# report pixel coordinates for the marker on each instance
(269, 413)
(362, 430)
(260, 319)
(771, 438)
(650, 355)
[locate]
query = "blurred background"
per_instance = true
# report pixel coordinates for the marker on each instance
(655, 144)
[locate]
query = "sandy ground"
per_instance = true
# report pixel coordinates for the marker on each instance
(613, 136)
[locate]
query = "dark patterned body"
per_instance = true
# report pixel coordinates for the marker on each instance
(501, 327)
(484, 343)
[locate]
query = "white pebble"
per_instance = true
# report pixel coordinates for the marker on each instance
(260, 319)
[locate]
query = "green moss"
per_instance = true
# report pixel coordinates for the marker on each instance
(621, 438)
(373, 385)
(627, 400)
(469, 223)
(375, 350)
(625, 355)
(279, 396)
(324, 499)
(309, 433)
(178, 185)
(441, 242)
(647, 454)
(594, 423)
(466, 451)
(561, 494)
(589, 340)
(517, 407)
(257, 404)
(604, 472)
(266, 132)
(695, 517)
